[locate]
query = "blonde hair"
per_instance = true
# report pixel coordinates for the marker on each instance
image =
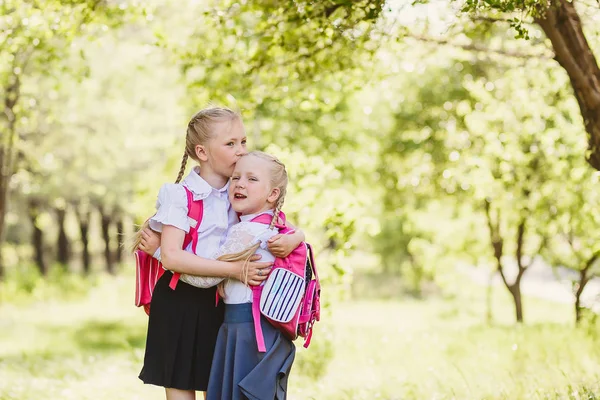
(199, 132)
(279, 179)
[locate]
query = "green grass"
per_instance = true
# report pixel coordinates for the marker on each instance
(91, 347)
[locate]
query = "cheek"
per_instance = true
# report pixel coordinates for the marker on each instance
(225, 154)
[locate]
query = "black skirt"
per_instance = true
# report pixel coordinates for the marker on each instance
(182, 332)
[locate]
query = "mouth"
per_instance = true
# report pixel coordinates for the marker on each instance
(239, 196)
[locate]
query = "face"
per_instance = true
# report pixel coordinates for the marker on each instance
(250, 191)
(225, 148)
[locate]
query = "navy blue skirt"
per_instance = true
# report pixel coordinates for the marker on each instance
(182, 332)
(239, 371)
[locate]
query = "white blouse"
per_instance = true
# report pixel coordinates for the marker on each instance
(172, 209)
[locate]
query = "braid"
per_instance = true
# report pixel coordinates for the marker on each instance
(278, 207)
(182, 168)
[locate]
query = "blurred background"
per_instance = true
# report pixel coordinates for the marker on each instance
(443, 159)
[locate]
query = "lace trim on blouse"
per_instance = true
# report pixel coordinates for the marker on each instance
(239, 238)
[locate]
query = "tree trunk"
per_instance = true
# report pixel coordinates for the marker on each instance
(584, 278)
(489, 316)
(84, 228)
(497, 243)
(106, 222)
(120, 239)
(515, 288)
(62, 243)
(515, 291)
(562, 26)
(578, 304)
(12, 93)
(37, 237)
(3, 201)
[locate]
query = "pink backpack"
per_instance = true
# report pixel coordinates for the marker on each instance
(290, 297)
(148, 270)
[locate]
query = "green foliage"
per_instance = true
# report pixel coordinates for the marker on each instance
(40, 39)
(283, 47)
(574, 225)
(428, 133)
(314, 361)
(25, 285)
(392, 149)
(392, 146)
(330, 226)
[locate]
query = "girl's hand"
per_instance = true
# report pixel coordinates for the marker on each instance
(282, 245)
(221, 290)
(257, 272)
(150, 241)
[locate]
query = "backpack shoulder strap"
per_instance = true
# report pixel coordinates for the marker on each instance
(195, 212)
(266, 219)
(312, 263)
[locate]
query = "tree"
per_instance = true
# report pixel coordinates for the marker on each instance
(561, 22)
(35, 37)
(415, 154)
(514, 172)
(481, 138)
(336, 25)
(574, 231)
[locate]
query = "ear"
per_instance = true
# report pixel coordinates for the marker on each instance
(201, 152)
(274, 195)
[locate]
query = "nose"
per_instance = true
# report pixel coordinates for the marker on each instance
(240, 150)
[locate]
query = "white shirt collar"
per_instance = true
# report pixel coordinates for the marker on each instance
(199, 187)
(250, 216)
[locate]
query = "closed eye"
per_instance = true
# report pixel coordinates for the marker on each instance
(235, 178)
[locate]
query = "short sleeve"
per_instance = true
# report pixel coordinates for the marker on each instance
(171, 208)
(265, 235)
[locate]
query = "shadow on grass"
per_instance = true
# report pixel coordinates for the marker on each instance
(109, 336)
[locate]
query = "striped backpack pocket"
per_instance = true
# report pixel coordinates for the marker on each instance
(290, 297)
(281, 295)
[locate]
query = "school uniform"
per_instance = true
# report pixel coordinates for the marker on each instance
(183, 323)
(239, 371)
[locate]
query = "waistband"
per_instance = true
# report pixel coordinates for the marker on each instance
(236, 313)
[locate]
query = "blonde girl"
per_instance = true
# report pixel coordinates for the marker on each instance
(239, 370)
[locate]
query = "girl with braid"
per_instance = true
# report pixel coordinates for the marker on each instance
(184, 322)
(239, 371)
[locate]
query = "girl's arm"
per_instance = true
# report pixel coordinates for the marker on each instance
(282, 245)
(279, 245)
(175, 259)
